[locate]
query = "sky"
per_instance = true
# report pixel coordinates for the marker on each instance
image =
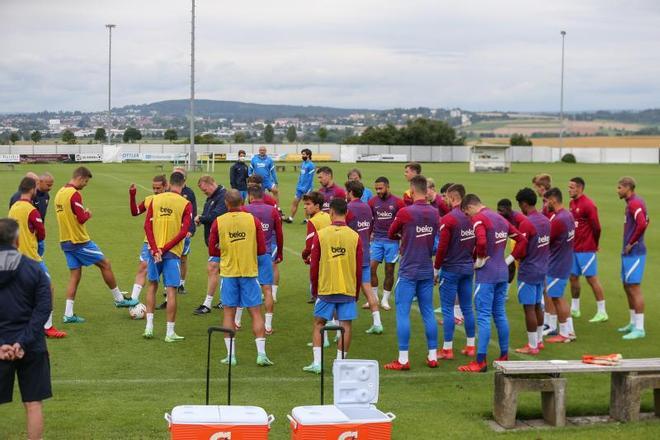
(476, 55)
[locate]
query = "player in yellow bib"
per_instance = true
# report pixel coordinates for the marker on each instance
(167, 223)
(336, 277)
(237, 238)
(158, 185)
(31, 234)
(78, 248)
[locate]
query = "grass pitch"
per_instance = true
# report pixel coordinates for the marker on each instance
(110, 383)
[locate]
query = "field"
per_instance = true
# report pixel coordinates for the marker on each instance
(507, 127)
(110, 383)
(589, 141)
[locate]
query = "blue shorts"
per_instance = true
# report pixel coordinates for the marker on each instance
(145, 254)
(240, 292)
(301, 192)
(214, 259)
(186, 246)
(555, 286)
(268, 184)
(366, 274)
(265, 263)
(83, 255)
(273, 254)
(346, 311)
(529, 294)
(169, 269)
(386, 250)
(44, 268)
(584, 264)
(632, 268)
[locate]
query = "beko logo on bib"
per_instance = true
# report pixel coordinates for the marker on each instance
(363, 224)
(236, 236)
(165, 211)
(384, 215)
(423, 231)
(544, 240)
(338, 251)
(467, 232)
(501, 235)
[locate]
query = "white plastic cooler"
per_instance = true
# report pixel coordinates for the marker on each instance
(353, 415)
(191, 422)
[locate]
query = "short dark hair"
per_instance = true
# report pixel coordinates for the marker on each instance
(160, 178)
(527, 195)
(470, 200)
(383, 179)
(83, 172)
(315, 197)
(325, 170)
(308, 151)
(177, 179)
(355, 187)
(418, 182)
(256, 191)
(505, 203)
(554, 193)
(356, 171)
(339, 206)
(241, 151)
(8, 231)
(445, 187)
(628, 182)
(415, 166)
(27, 184)
(255, 178)
(457, 188)
(579, 181)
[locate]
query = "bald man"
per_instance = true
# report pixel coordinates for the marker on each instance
(42, 197)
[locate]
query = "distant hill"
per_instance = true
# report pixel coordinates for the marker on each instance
(238, 110)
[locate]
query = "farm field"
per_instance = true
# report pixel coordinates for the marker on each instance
(588, 141)
(109, 383)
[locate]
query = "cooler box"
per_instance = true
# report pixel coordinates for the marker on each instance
(353, 415)
(218, 422)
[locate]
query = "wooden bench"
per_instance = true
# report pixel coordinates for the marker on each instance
(8, 167)
(281, 168)
(629, 379)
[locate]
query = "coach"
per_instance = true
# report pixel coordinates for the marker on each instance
(25, 304)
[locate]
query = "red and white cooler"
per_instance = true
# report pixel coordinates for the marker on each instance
(353, 415)
(218, 422)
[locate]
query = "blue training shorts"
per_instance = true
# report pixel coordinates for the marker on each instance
(186, 246)
(346, 311)
(555, 286)
(214, 259)
(240, 292)
(85, 254)
(584, 264)
(366, 274)
(632, 268)
(384, 250)
(301, 192)
(145, 254)
(529, 294)
(169, 269)
(265, 263)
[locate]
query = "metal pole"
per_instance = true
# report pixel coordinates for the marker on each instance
(561, 101)
(192, 159)
(110, 27)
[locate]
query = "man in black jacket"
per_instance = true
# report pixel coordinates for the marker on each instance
(25, 304)
(238, 174)
(213, 208)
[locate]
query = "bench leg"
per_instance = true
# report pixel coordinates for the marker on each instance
(625, 397)
(553, 404)
(506, 401)
(656, 401)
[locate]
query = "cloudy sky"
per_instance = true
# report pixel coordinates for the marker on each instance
(478, 55)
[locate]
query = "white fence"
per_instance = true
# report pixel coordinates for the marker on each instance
(412, 153)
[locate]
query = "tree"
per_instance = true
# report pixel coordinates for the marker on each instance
(418, 132)
(291, 134)
(132, 134)
(170, 135)
(240, 137)
(323, 134)
(68, 137)
(519, 140)
(269, 134)
(14, 137)
(35, 136)
(100, 135)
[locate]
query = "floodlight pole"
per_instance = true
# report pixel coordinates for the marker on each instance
(192, 157)
(561, 100)
(110, 27)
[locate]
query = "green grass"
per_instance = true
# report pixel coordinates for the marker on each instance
(110, 383)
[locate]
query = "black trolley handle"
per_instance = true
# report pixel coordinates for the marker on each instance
(329, 328)
(231, 333)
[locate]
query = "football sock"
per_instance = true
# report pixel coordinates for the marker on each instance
(449, 345)
(116, 294)
(470, 342)
(208, 301)
(571, 329)
(376, 316)
(274, 287)
(375, 291)
(457, 311)
(564, 329)
(403, 357)
(639, 321)
(601, 306)
(481, 357)
(239, 315)
(261, 345)
(135, 294)
(339, 355)
(532, 339)
(632, 317)
(575, 304)
(325, 338)
(182, 283)
(539, 334)
(49, 323)
(433, 354)
(269, 321)
(316, 351)
(68, 308)
(150, 322)
(553, 322)
(386, 295)
(170, 329)
(233, 347)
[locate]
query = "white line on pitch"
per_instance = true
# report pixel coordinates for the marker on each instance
(124, 181)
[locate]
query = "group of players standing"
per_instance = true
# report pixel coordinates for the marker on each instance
(349, 234)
